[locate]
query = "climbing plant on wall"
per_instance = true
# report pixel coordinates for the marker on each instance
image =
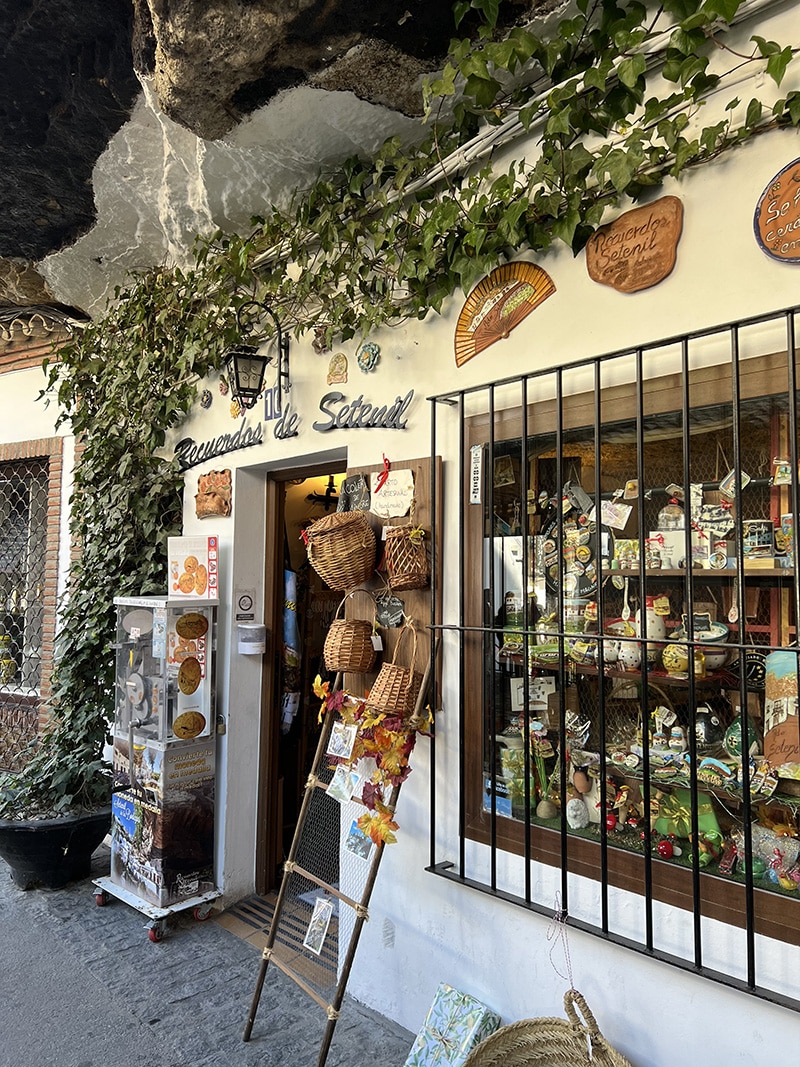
(530, 137)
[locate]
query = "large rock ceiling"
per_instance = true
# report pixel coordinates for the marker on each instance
(213, 61)
(66, 85)
(127, 126)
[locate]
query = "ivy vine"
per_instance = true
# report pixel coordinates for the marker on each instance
(376, 243)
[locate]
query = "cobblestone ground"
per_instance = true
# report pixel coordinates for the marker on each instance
(82, 986)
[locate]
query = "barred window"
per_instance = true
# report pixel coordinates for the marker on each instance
(626, 632)
(23, 554)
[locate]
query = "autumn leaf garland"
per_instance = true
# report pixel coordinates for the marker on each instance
(388, 740)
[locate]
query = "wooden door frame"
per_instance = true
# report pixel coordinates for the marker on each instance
(269, 831)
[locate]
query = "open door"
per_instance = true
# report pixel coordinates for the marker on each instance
(300, 607)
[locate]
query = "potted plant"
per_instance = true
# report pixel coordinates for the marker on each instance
(57, 810)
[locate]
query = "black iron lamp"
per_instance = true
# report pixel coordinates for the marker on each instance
(246, 366)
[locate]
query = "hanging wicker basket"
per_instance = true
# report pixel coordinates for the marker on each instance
(341, 549)
(571, 1042)
(348, 645)
(406, 558)
(396, 688)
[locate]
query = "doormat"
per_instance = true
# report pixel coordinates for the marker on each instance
(250, 920)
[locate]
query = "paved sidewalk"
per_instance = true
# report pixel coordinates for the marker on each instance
(82, 986)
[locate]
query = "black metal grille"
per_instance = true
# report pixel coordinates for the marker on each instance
(23, 555)
(564, 695)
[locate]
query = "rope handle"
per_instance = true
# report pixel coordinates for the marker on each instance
(573, 999)
(347, 596)
(406, 626)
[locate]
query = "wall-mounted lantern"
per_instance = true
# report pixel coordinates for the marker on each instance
(246, 366)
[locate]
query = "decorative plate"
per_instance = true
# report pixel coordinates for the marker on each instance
(755, 669)
(497, 304)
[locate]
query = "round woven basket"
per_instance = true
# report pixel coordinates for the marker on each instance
(406, 558)
(572, 1042)
(396, 688)
(341, 549)
(348, 644)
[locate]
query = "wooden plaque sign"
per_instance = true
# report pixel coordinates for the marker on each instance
(638, 249)
(777, 218)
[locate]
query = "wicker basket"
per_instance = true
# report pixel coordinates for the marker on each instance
(341, 549)
(396, 688)
(406, 558)
(348, 645)
(546, 1042)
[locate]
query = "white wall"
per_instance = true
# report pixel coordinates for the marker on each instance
(423, 929)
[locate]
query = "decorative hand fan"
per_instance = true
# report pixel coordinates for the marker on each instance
(497, 304)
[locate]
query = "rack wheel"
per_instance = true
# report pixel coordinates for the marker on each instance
(202, 912)
(101, 898)
(156, 932)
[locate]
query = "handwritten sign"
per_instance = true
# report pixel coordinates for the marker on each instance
(777, 217)
(638, 249)
(395, 496)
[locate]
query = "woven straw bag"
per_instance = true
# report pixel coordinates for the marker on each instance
(406, 558)
(348, 644)
(396, 688)
(341, 549)
(572, 1042)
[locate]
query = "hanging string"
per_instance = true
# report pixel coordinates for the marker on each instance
(557, 935)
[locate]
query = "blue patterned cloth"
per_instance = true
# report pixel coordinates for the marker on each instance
(455, 1024)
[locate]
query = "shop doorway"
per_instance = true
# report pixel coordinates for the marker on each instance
(302, 607)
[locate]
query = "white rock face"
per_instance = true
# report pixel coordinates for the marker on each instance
(157, 185)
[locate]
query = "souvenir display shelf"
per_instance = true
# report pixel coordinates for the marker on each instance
(164, 752)
(641, 652)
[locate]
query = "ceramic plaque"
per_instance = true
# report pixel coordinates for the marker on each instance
(777, 218)
(639, 249)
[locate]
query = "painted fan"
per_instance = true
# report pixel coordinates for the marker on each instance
(497, 304)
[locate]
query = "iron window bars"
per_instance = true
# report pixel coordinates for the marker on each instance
(24, 489)
(685, 414)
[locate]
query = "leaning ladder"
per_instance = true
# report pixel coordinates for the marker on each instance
(305, 869)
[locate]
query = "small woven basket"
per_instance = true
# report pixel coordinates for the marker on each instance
(571, 1042)
(348, 644)
(341, 549)
(406, 558)
(396, 688)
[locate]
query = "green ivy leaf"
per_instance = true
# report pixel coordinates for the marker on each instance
(754, 112)
(724, 9)
(777, 64)
(630, 70)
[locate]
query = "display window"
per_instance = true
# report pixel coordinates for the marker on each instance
(28, 559)
(627, 631)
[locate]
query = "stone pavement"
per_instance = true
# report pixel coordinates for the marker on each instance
(83, 986)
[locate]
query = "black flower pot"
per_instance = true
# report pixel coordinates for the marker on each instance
(52, 852)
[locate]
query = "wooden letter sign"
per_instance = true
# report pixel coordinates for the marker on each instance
(777, 219)
(638, 249)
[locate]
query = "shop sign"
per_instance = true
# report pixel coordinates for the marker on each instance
(777, 217)
(638, 249)
(361, 415)
(190, 453)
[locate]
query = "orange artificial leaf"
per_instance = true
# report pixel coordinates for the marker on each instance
(378, 824)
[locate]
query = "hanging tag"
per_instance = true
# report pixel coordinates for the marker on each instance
(388, 609)
(661, 605)
(377, 642)
(631, 489)
(475, 475)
